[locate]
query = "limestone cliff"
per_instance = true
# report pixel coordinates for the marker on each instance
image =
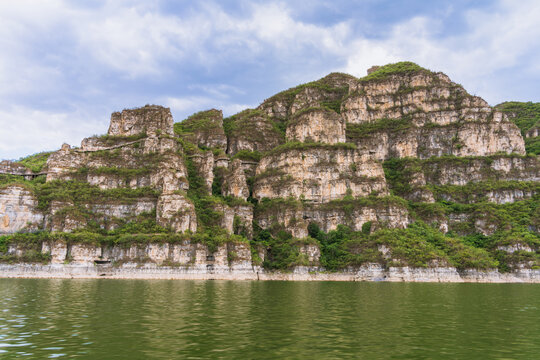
(401, 168)
(18, 210)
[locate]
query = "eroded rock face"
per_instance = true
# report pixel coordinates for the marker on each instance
(227, 216)
(239, 256)
(62, 163)
(58, 251)
(18, 210)
(170, 175)
(235, 183)
(318, 174)
(317, 125)
(176, 211)
(325, 92)
(14, 168)
(437, 117)
(84, 253)
(295, 217)
(64, 217)
(253, 130)
(204, 164)
(429, 96)
(317, 181)
(455, 171)
(187, 255)
(329, 216)
(243, 218)
(288, 216)
(515, 248)
(205, 129)
(151, 119)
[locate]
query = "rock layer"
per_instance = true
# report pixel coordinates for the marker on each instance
(325, 153)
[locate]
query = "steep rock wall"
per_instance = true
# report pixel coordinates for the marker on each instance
(151, 119)
(295, 216)
(460, 171)
(318, 174)
(18, 210)
(252, 130)
(205, 129)
(424, 114)
(316, 125)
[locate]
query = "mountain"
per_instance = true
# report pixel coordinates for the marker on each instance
(399, 169)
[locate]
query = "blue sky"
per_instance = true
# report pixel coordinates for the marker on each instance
(66, 65)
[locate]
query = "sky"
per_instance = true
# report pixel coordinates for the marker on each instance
(65, 66)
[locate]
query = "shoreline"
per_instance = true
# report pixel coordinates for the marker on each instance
(369, 273)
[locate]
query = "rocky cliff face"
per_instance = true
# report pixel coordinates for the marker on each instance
(139, 152)
(423, 114)
(18, 210)
(205, 129)
(318, 173)
(151, 120)
(316, 125)
(377, 155)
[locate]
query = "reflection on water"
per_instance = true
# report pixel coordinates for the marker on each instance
(137, 319)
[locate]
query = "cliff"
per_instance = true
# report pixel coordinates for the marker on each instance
(400, 169)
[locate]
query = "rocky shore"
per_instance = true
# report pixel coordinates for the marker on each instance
(372, 272)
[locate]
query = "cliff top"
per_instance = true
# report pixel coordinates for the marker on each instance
(333, 82)
(399, 68)
(148, 119)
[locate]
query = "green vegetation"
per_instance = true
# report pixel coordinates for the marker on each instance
(399, 68)
(334, 86)
(234, 123)
(419, 245)
(77, 192)
(334, 105)
(282, 250)
(205, 205)
(121, 172)
(247, 155)
(35, 162)
(363, 130)
(111, 140)
(526, 115)
(202, 121)
(6, 180)
(255, 126)
(477, 191)
(532, 145)
(297, 145)
(31, 242)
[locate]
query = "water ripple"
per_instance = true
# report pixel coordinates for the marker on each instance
(266, 320)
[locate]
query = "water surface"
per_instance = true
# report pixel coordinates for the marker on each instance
(167, 319)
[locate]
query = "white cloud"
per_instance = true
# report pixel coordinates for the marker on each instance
(26, 131)
(135, 40)
(493, 42)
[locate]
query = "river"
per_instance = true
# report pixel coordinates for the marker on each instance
(169, 319)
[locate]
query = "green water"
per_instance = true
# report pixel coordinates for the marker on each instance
(137, 319)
